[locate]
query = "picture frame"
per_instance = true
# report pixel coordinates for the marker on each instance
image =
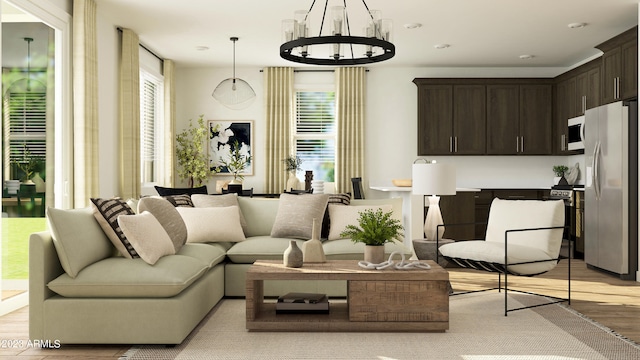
(223, 135)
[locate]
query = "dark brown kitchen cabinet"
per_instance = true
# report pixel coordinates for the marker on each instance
(451, 119)
(587, 90)
(576, 91)
(565, 105)
(620, 67)
(519, 119)
(457, 209)
(435, 114)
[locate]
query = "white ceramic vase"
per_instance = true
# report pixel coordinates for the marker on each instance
(312, 251)
(293, 183)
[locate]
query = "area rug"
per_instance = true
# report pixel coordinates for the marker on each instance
(478, 330)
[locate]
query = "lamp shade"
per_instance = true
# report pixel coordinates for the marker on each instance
(433, 179)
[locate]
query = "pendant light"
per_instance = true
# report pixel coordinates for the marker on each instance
(234, 93)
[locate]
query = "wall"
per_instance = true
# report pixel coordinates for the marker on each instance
(391, 122)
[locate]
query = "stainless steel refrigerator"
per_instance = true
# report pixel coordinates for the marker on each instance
(611, 189)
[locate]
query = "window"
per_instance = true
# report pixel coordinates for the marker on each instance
(25, 121)
(315, 132)
(151, 125)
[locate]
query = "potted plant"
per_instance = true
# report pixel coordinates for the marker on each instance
(292, 164)
(29, 165)
(559, 171)
(376, 228)
(237, 162)
(193, 161)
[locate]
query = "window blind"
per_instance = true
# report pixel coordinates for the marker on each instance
(25, 124)
(150, 121)
(315, 132)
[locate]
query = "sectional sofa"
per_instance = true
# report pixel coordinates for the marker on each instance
(84, 288)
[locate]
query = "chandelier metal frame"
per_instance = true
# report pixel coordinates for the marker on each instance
(287, 49)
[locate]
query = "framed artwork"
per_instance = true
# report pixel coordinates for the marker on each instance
(224, 137)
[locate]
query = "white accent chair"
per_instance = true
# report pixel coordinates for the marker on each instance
(523, 238)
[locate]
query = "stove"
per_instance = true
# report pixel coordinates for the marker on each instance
(562, 194)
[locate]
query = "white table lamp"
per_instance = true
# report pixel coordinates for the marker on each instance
(433, 179)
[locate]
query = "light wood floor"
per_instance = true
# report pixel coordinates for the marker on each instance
(610, 301)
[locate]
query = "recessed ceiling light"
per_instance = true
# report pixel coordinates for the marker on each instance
(577, 25)
(441, 46)
(526, 57)
(412, 25)
(202, 48)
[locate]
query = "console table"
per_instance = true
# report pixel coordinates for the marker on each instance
(378, 300)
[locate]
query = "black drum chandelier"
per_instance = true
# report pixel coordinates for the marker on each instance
(340, 47)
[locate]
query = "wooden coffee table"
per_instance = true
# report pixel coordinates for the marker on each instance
(377, 300)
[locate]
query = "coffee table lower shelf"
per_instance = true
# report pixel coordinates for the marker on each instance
(337, 320)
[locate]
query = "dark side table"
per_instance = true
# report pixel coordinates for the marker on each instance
(426, 250)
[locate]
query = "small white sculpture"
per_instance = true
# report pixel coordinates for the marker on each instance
(572, 174)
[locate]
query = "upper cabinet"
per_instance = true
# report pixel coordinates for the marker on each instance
(576, 91)
(620, 67)
(519, 119)
(451, 118)
(484, 116)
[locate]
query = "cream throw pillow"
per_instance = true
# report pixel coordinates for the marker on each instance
(203, 200)
(212, 224)
(341, 216)
(296, 213)
(147, 236)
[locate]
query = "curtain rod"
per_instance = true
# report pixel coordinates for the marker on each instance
(145, 47)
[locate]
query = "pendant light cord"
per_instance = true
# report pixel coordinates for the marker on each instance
(28, 40)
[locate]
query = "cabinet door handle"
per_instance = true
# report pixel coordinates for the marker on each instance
(521, 143)
(517, 143)
(455, 144)
(584, 104)
(450, 143)
(562, 139)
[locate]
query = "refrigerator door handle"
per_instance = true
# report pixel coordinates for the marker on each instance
(596, 172)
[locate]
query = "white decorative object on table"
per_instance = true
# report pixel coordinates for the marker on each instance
(312, 251)
(433, 179)
(317, 186)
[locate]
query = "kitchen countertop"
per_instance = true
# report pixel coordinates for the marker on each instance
(408, 188)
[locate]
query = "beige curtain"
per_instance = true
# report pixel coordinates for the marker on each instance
(85, 108)
(278, 84)
(169, 122)
(129, 184)
(350, 87)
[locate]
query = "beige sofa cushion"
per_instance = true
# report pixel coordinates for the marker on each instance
(261, 211)
(168, 217)
(296, 213)
(78, 238)
(341, 216)
(202, 200)
(210, 254)
(345, 249)
(147, 236)
(119, 277)
(212, 224)
(259, 248)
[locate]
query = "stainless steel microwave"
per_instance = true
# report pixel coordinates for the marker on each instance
(576, 133)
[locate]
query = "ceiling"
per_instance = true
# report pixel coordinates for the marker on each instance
(480, 33)
(487, 33)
